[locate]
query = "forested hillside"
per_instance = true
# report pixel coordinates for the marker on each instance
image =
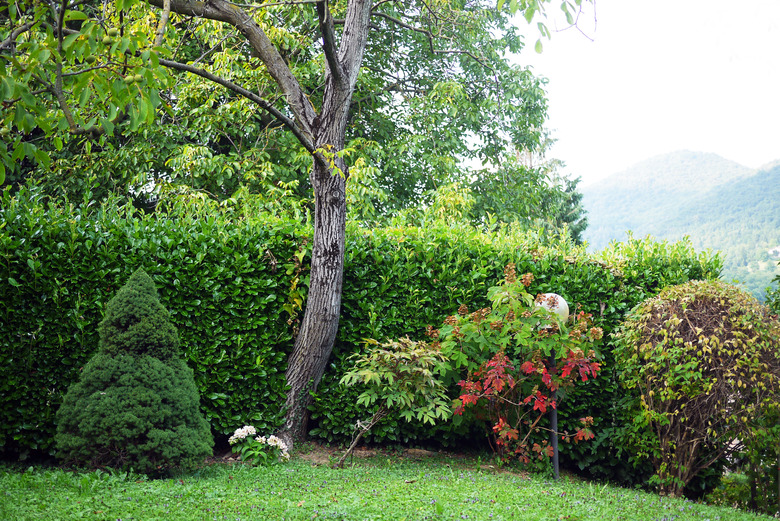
(718, 203)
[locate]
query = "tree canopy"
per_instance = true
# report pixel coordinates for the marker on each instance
(436, 101)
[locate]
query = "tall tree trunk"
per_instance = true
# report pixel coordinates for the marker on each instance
(314, 343)
(329, 179)
(323, 135)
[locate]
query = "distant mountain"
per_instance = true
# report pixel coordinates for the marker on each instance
(718, 203)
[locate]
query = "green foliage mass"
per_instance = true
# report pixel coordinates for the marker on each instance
(702, 361)
(137, 323)
(427, 111)
(515, 358)
(133, 411)
(755, 489)
(415, 109)
(224, 278)
(135, 404)
(773, 297)
(401, 375)
(443, 266)
(235, 278)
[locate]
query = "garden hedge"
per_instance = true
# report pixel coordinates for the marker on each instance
(234, 280)
(224, 282)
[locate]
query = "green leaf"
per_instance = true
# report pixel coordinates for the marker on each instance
(538, 47)
(67, 42)
(530, 12)
(71, 16)
(108, 126)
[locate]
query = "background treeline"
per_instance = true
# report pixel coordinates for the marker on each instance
(234, 280)
(719, 204)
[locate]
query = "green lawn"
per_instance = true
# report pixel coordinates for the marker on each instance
(382, 487)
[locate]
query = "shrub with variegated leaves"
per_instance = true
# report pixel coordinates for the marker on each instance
(703, 360)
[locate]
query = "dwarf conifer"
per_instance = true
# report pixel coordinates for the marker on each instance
(136, 404)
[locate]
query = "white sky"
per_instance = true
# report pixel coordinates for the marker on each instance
(660, 76)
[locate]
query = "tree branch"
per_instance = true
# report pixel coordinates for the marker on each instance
(272, 4)
(393, 87)
(56, 88)
(264, 104)
(9, 42)
(428, 34)
(373, 7)
(224, 11)
(166, 13)
(329, 41)
(353, 40)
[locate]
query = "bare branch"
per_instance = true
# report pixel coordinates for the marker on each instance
(166, 13)
(329, 41)
(264, 104)
(9, 42)
(273, 4)
(224, 11)
(353, 40)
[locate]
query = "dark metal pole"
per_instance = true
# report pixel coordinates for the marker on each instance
(554, 421)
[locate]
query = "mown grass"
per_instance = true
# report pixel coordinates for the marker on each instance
(379, 488)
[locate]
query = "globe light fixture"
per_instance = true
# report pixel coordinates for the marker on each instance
(557, 305)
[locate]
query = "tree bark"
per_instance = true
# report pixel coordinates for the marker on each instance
(314, 342)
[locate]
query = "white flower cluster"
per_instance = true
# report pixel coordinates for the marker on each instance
(242, 433)
(273, 441)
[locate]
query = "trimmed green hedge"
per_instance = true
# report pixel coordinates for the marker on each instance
(224, 280)
(234, 280)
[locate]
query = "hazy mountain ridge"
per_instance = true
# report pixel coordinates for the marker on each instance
(718, 203)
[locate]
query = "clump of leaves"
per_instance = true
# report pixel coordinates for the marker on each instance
(520, 359)
(398, 375)
(516, 401)
(703, 358)
(136, 404)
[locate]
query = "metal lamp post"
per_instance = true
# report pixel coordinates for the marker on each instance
(557, 305)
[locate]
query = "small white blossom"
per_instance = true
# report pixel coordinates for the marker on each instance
(270, 445)
(273, 441)
(240, 434)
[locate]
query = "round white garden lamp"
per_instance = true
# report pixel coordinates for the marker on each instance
(557, 305)
(554, 303)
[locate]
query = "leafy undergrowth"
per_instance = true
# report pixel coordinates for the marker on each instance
(379, 487)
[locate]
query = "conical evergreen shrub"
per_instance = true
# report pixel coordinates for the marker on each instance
(136, 404)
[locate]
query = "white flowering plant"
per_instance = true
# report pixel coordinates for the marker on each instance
(258, 450)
